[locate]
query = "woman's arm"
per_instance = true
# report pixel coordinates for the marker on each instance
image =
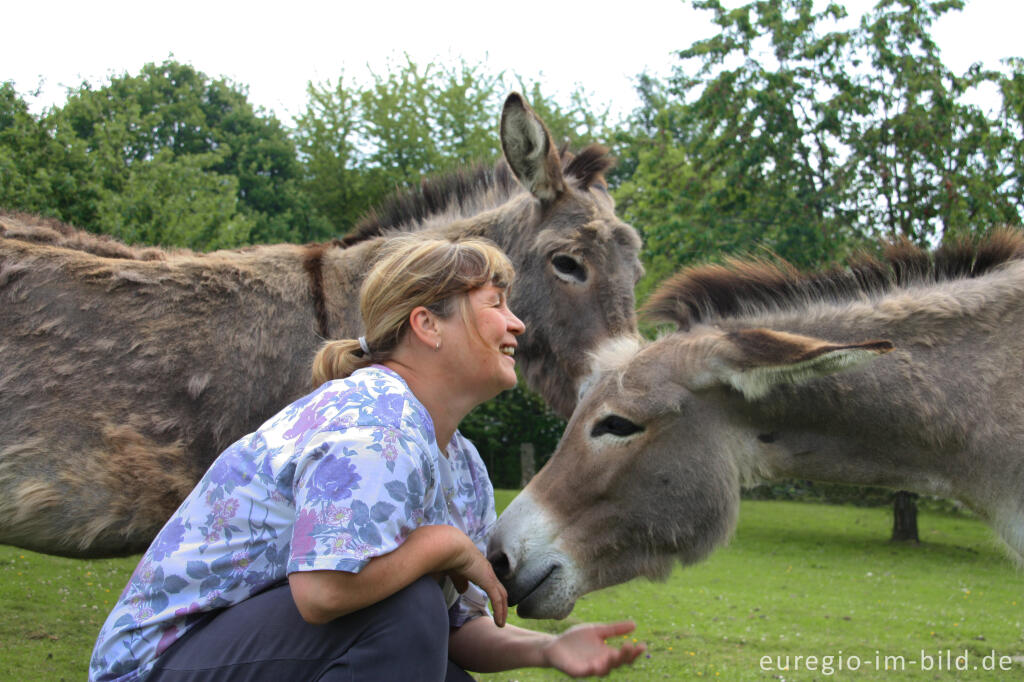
(322, 596)
(481, 646)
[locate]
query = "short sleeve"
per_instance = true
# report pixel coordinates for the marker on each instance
(472, 603)
(358, 492)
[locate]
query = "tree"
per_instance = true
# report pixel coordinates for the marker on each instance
(33, 171)
(1011, 87)
(326, 134)
(172, 124)
(361, 142)
(786, 133)
(22, 143)
(179, 201)
(749, 141)
(924, 163)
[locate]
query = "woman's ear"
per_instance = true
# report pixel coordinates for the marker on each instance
(425, 326)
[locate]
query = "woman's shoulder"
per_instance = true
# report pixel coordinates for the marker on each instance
(370, 397)
(377, 397)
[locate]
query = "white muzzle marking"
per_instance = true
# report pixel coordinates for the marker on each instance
(543, 579)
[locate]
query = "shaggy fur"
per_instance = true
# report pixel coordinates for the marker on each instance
(902, 372)
(741, 286)
(126, 371)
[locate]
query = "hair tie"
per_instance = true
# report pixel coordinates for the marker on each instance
(362, 344)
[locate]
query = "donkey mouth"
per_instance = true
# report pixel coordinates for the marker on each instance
(546, 598)
(520, 593)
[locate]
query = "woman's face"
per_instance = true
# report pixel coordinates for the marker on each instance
(485, 360)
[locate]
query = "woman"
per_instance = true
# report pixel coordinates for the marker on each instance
(343, 539)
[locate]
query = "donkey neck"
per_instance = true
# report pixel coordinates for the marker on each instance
(926, 416)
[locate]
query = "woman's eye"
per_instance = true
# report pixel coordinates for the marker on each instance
(616, 426)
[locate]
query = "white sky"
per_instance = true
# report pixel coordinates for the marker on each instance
(275, 48)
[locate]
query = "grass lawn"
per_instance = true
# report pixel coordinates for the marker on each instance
(798, 580)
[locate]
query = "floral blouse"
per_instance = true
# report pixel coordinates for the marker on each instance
(336, 478)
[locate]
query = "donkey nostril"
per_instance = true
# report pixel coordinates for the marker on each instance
(500, 564)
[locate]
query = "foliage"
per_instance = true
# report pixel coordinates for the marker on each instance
(25, 155)
(182, 200)
(362, 141)
(796, 579)
(737, 156)
(924, 163)
(500, 426)
(171, 157)
(795, 136)
(1012, 115)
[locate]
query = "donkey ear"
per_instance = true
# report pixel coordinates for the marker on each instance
(529, 149)
(762, 359)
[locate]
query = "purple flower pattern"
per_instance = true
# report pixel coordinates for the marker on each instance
(333, 480)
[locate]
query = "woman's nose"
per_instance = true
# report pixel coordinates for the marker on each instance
(515, 325)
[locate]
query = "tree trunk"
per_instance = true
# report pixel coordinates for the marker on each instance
(527, 463)
(904, 517)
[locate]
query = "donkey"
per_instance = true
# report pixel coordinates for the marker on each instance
(903, 373)
(124, 374)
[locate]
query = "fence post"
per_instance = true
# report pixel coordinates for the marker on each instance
(527, 463)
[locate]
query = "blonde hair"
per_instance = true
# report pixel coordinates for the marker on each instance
(412, 271)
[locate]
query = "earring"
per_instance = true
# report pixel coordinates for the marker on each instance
(437, 346)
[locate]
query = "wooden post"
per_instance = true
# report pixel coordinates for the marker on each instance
(527, 463)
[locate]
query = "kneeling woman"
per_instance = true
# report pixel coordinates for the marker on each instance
(343, 539)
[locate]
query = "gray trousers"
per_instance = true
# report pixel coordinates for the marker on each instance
(402, 638)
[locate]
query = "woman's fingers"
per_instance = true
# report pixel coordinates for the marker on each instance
(499, 603)
(622, 627)
(470, 565)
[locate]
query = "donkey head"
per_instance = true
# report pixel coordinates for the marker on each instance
(577, 262)
(650, 466)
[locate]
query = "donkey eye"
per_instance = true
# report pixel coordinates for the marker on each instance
(615, 425)
(569, 269)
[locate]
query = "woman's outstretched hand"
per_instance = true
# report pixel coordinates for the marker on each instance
(582, 651)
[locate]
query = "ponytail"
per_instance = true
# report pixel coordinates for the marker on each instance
(337, 360)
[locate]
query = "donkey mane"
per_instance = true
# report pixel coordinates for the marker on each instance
(460, 188)
(744, 286)
(589, 165)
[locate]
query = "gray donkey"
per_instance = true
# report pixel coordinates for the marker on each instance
(903, 373)
(125, 371)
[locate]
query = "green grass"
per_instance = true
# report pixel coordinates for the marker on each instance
(798, 579)
(52, 611)
(813, 580)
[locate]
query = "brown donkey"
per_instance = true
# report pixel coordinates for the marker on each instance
(125, 372)
(904, 373)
